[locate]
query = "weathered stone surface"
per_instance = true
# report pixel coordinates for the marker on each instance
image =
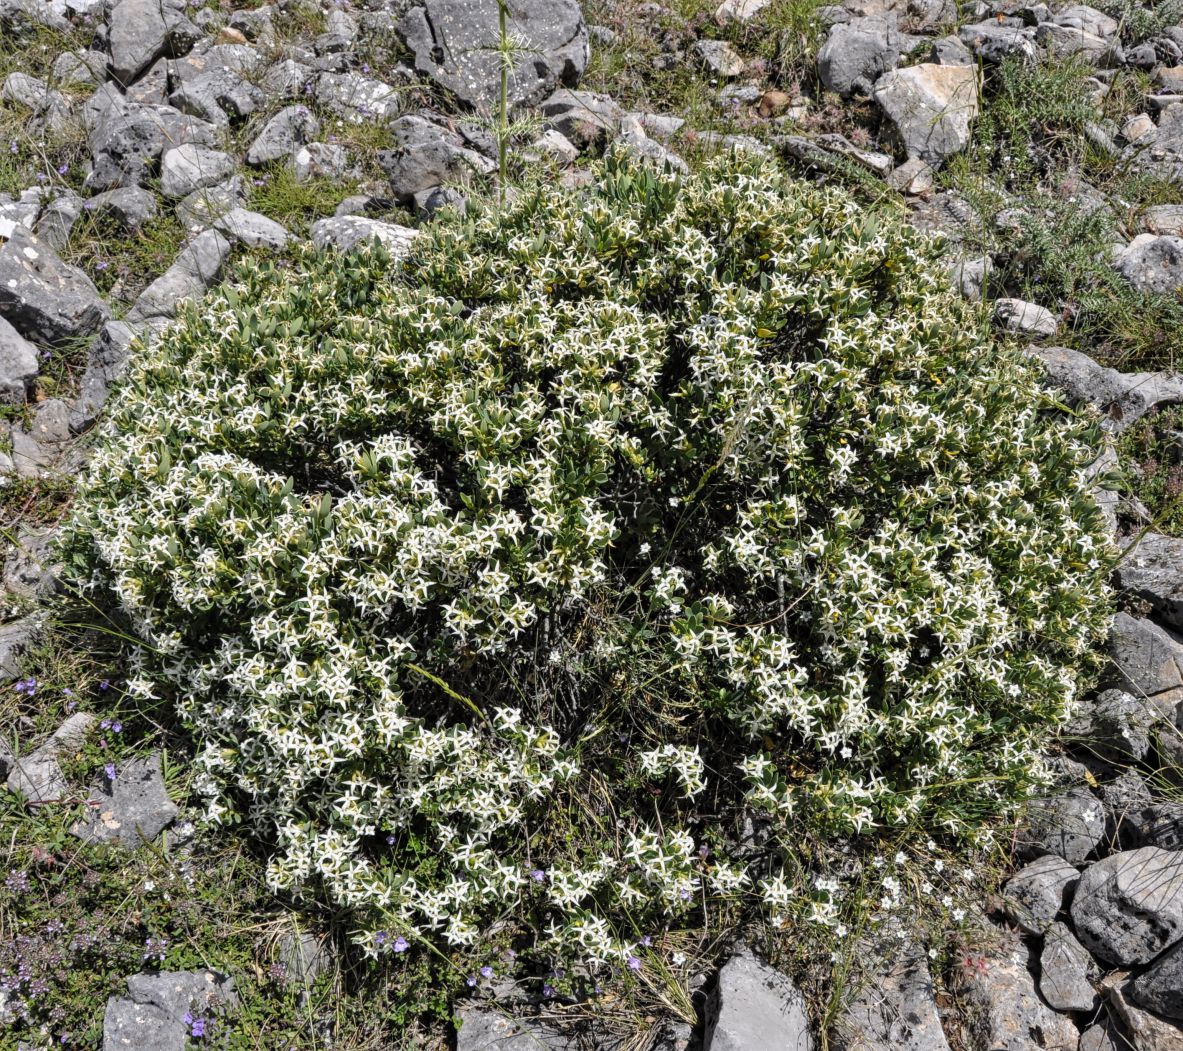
(1128, 907)
(319, 160)
(291, 128)
(1064, 969)
(1152, 263)
(126, 141)
(1063, 42)
(356, 98)
(29, 571)
(755, 1006)
(634, 141)
(739, 10)
(152, 1016)
(718, 58)
(1028, 319)
(857, 53)
(1144, 1030)
(141, 31)
(426, 156)
(219, 96)
(131, 810)
(37, 776)
(486, 1029)
(190, 167)
(253, 229)
(584, 117)
(1007, 1011)
(931, 107)
(893, 1008)
(1123, 397)
(1034, 896)
(39, 443)
(1067, 824)
(51, 111)
(1153, 570)
(347, 232)
(452, 43)
(997, 40)
(304, 956)
(203, 208)
(197, 267)
(43, 298)
(1097, 1038)
(18, 364)
(1148, 661)
(1160, 987)
(132, 207)
(106, 361)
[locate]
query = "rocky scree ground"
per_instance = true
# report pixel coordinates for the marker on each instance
(145, 146)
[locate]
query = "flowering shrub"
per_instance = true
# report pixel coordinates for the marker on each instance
(506, 586)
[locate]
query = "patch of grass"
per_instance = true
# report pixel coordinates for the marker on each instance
(1152, 453)
(1139, 21)
(34, 501)
(122, 264)
(277, 194)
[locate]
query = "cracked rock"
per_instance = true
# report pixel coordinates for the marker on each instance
(426, 156)
(190, 167)
(857, 53)
(1068, 824)
(346, 232)
(195, 270)
(291, 128)
(1064, 969)
(152, 1016)
(1153, 571)
(1034, 896)
(44, 299)
(37, 776)
(755, 1006)
(452, 42)
(1128, 907)
(132, 809)
(931, 108)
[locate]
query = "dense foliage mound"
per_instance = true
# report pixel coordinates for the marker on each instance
(571, 573)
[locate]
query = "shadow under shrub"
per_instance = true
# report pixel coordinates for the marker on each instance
(555, 584)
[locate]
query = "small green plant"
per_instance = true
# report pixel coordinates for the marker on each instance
(503, 587)
(1152, 452)
(278, 194)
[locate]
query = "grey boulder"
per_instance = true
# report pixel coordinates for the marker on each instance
(291, 128)
(1123, 397)
(252, 229)
(1142, 1030)
(357, 98)
(44, 299)
(1152, 263)
(893, 1007)
(1034, 896)
(18, 364)
(197, 267)
(426, 156)
(131, 207)
(1153, 570)
(857, 53)
(452, 42)
(1067, 824)
(29, 570)
(1065, 967)
(141, 31)
(347, 232)
(931, 107)
(583, 117)
(38, 776)
(1128, 907)
(190, 167)
(1160, 987)
(130, 810)
(1008, 1012)
(755, 1006)
(152, 1016)
(1023, 318)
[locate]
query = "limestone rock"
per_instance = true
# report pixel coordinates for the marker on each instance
(426, 156)
(132, 809)
(857, 53)
(43, 298)
(131, 207)
(291, 128)
(347, 232)
(1128, 907)
(253, 229)
(894, 1008)
(190, 167)
(1028, 319)
(141, 31)
(196, 268)
(451, 41)
(152, 1016)
(1146, 1030)
(931, 107)
(755, 1006)
(1153, 570)
(584, 117)
(1067, 824)
(37, 776)
(1152, 263)
(718, 58)
(19, 364)
(1007, 1010)
(1034, 896)
(1064, 969)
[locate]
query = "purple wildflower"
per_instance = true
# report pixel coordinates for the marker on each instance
(486, 971)
(471, 981)
(634, 964)
(548, 991)
(111, 771)
(538, 875)
(400, 944)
